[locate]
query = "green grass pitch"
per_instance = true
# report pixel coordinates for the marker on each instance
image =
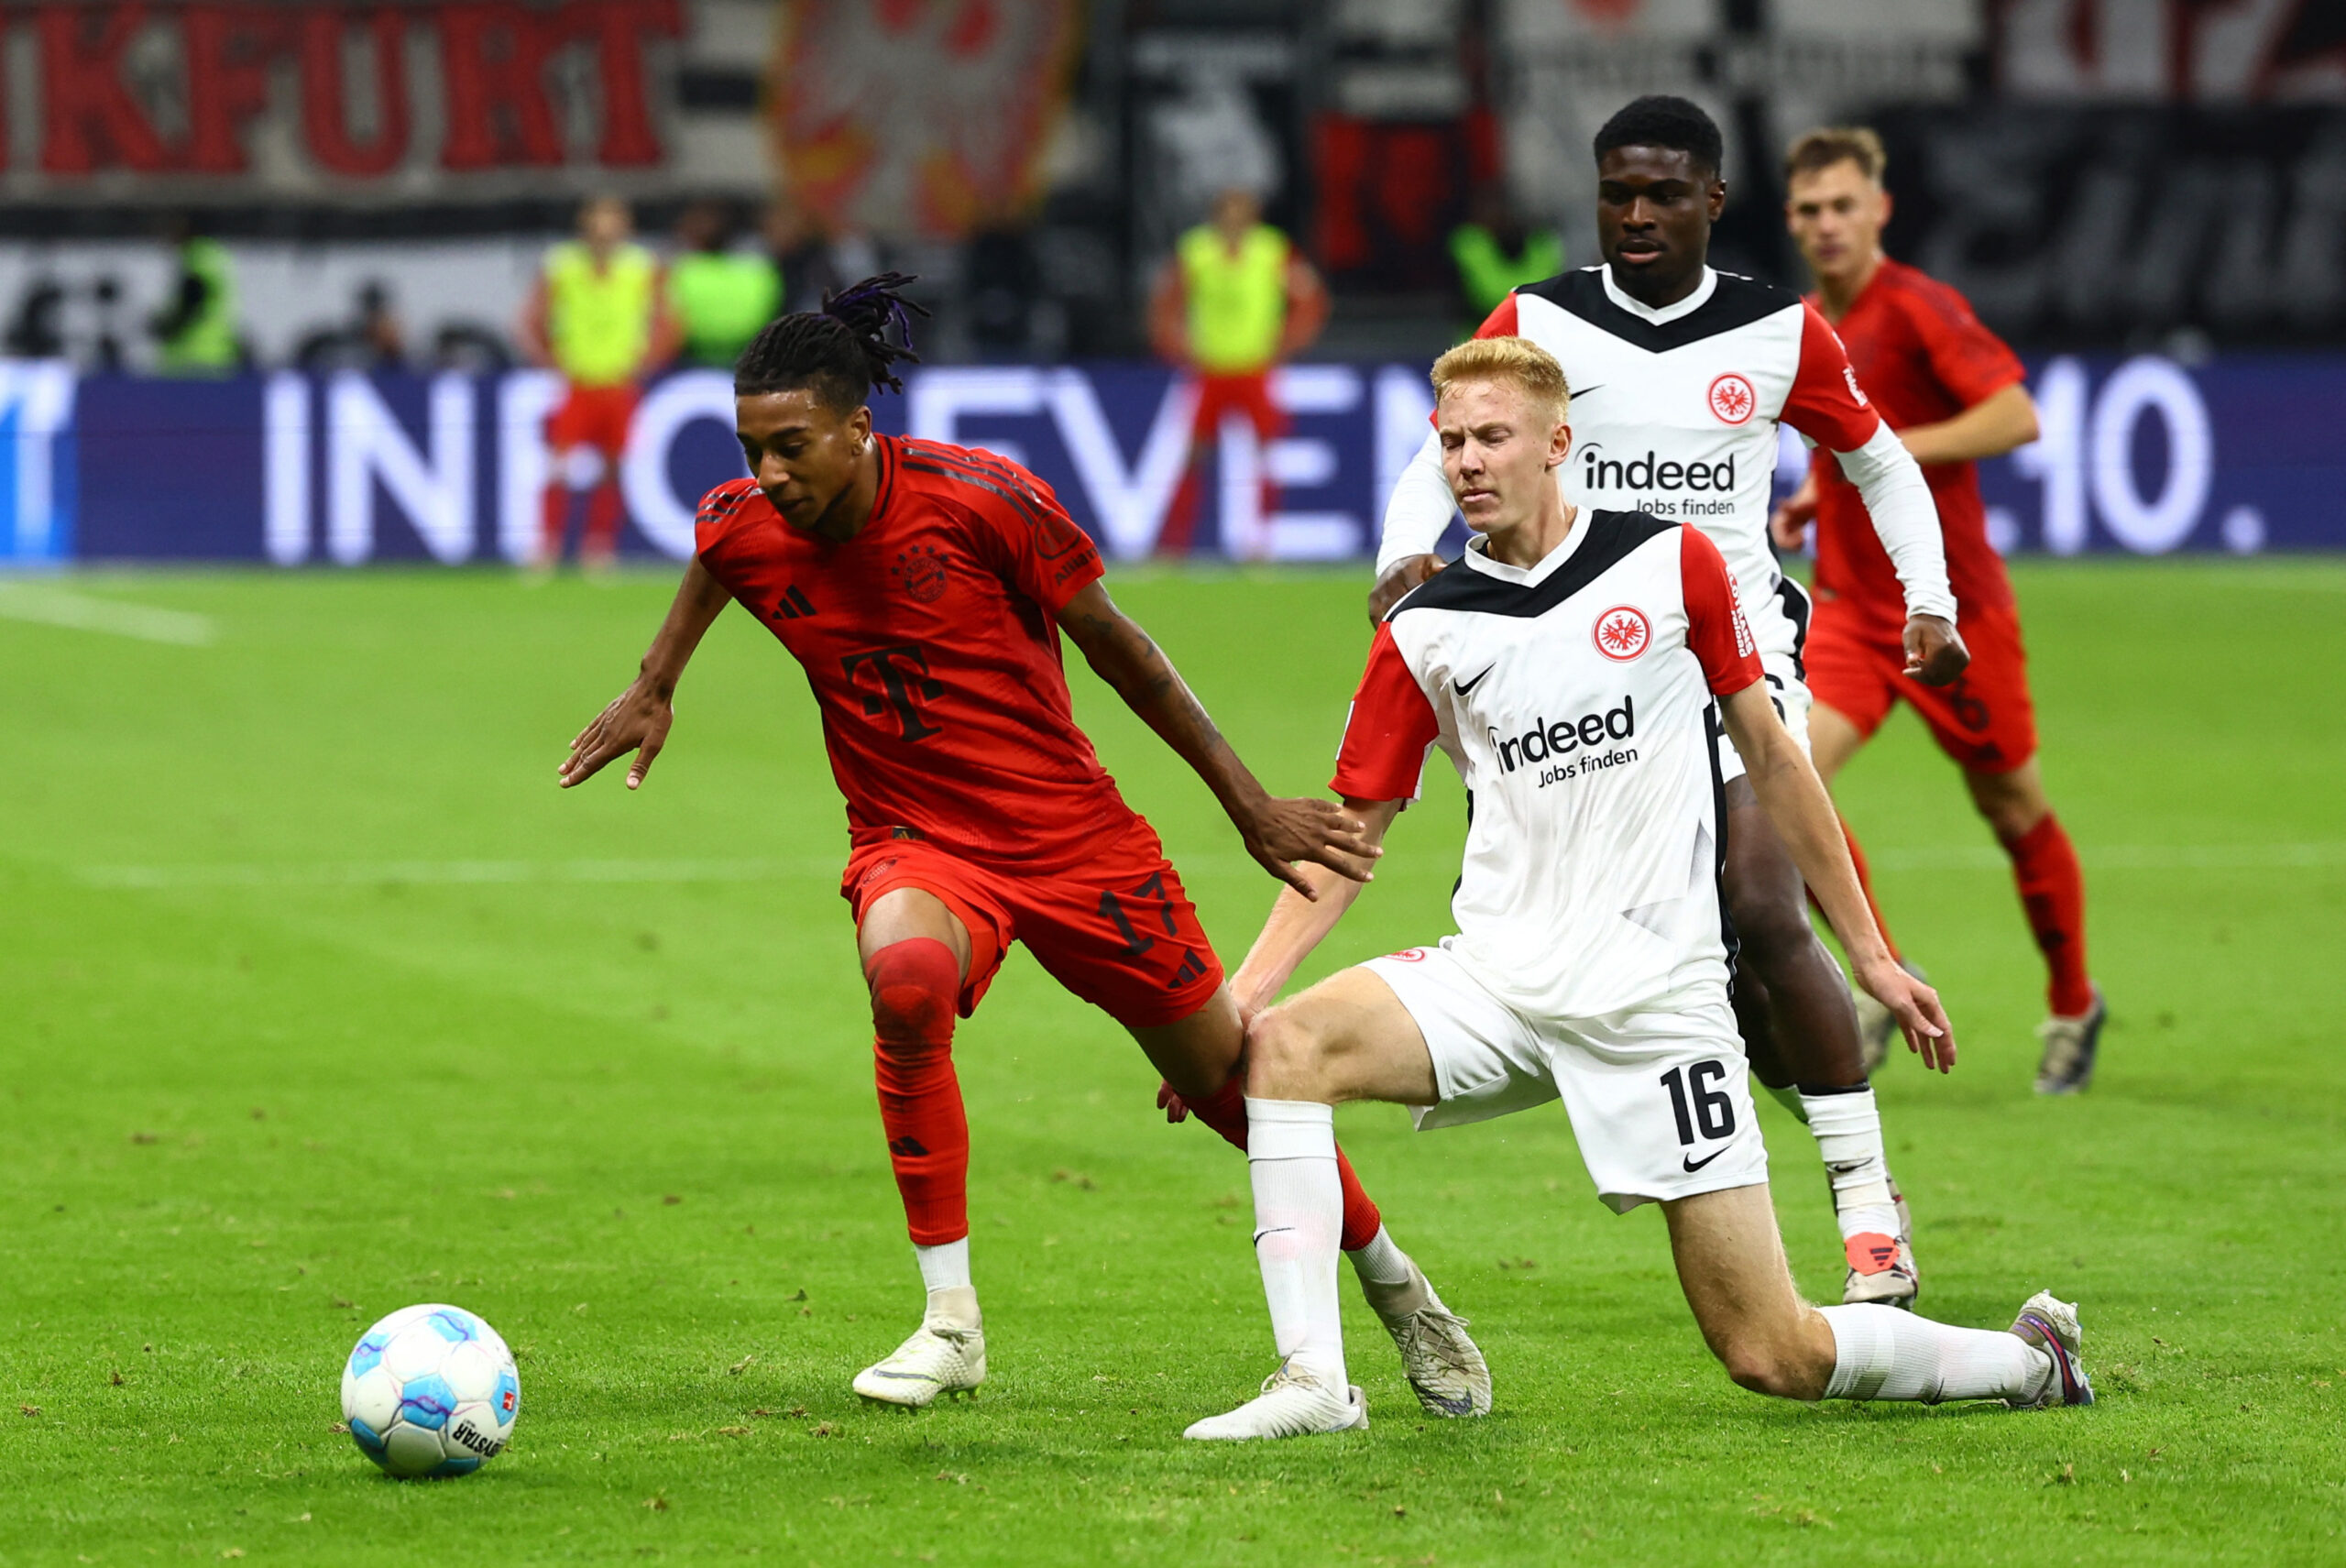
(321, 999)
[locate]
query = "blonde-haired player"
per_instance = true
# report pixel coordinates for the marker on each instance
(1575, 667)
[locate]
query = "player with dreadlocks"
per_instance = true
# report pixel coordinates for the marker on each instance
(923, 586)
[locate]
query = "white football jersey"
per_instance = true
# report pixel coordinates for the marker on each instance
(1575, 698)
(1675, 411)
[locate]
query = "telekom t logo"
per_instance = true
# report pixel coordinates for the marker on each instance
(903, 672)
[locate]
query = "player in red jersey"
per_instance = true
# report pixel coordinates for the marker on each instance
(1955, 394)
(924, 587)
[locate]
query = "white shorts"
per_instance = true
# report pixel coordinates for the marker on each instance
(1779, 626)
(1659, 1094)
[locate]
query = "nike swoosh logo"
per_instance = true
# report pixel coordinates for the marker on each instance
(1465, 686)
(1692, 1164)
(1580, 392)
(1270, 1231)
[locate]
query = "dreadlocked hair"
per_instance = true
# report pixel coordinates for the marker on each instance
(839, 352)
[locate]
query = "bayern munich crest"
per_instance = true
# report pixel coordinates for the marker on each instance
(1732, 398)
(1622, 633)
(921, 571)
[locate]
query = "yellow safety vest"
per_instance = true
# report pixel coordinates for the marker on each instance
(1237, 298)
(206, 344)
(1488, 274)
(721, 302)
(599, 318)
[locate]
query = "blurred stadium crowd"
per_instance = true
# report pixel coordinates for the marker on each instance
(360, 182)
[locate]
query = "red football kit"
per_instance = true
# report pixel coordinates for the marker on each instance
(931, 641)
(1922, 356)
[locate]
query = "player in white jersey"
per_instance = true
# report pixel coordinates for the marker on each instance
(1681, 375)
(1575, 667)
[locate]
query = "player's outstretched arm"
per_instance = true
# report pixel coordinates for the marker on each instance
(1286, 835)
(1800, 810)
(1301, 922)
(638, 719)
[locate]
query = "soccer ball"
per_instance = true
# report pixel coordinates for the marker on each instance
(431, 1390)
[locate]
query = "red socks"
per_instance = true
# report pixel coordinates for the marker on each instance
(2052, 891)
(1225, 1113)
(914, 983)
(605, 511)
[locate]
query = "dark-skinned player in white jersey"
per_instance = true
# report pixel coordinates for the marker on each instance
(1575, 668)
(1682, 375)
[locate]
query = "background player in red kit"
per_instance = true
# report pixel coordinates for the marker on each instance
(1955, 394)
(923, 586)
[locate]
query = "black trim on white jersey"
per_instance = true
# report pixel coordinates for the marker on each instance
(1714, 730)
(1736, 302)
(1611, 536)
(1797, 605)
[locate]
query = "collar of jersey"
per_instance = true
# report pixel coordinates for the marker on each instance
(1667, 314)
(1477, 558)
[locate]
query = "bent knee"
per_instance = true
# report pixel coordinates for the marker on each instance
(1764, 1370)
(914, 986)
(1773, 931)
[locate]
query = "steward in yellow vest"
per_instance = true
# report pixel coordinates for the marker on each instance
(722, 297)
(598, 316)
(197, 333)
(1237, 299)
(1496, 253)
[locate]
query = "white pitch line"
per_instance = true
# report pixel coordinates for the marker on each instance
(46, 606)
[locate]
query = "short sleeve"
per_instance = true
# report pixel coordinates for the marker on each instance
(1033, 541)
(1500, 323)
(1716, 628)
(1388, 730)
(720, 510)
(1825, 404)
(1969, 361)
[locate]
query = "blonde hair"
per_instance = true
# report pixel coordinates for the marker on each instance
(1829, 145)
(1516, 359)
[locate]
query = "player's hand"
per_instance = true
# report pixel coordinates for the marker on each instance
(1176, 1109)
(1788, 524)
(1934, 652)
(1283, 832)
(1407, 573)
(637, 721)
(1920, 1017)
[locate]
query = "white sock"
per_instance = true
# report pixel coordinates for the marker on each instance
(946, 1268)
(1380, 1262)
(1848, 1127)
(1880, 1353)
(1299, 1218)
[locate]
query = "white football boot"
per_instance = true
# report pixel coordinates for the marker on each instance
(1446, 1369)
(1882, 1270)
(947, 1354)
(1293, 1403)
(2052, 1327)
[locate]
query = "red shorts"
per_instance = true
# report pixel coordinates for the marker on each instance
(593, 416)
(1246, 394)
(1118, 930)
(1985, 721)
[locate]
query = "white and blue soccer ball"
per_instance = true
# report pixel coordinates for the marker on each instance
(431, 1390)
